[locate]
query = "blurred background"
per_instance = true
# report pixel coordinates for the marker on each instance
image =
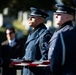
(15, 13)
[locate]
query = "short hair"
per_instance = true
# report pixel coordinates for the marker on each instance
(11, 28)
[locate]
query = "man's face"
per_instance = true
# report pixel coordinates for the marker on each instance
(34, 21)
(10, 35)
(61, 18)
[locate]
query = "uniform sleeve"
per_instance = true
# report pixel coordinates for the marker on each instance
(43, 44)
(51, 48)
(56, 59)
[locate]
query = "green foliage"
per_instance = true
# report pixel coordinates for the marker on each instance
(26, 4)
(43, 4)
(18, 26)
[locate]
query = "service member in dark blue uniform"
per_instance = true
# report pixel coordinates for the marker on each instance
(64, 17)
(36, 46)
(63, 61)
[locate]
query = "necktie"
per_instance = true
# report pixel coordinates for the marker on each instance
(11, 44)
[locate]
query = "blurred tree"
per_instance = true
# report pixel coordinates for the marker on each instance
(71, 3)
(3, 3)
(26, 4)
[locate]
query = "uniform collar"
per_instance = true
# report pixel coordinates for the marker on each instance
(33, 29)
(66, 23)
(38, 26)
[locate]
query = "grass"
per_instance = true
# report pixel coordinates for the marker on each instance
(18, 26)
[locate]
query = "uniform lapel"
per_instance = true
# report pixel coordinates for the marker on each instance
(35, 34)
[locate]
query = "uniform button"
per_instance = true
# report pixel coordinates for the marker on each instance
(29, 58)
(29, 49)
(26, 49)
(25, 57)
(52, 48)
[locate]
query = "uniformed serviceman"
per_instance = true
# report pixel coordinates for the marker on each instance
(63, 60)
(64, 17)
(36, 46)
